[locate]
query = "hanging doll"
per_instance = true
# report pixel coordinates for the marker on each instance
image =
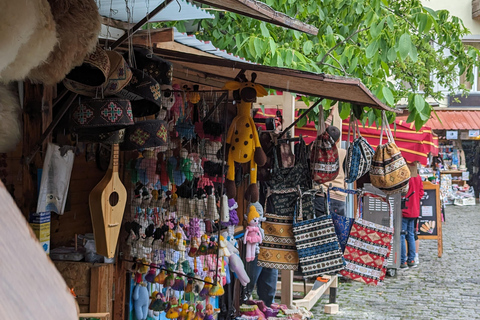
(199, 314)
(252, 233)
(147, 168)
(208, 312)
(186, 164)
(194, 233)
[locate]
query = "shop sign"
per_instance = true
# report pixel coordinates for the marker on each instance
(452, 135)
(473, 133)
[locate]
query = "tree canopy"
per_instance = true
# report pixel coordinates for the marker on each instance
(396, 47)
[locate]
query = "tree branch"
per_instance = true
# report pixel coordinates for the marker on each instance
(341, 42)
(344, 72)
(330, 65)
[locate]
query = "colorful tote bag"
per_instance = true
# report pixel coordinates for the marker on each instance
(324, 160)
(367, 249)
(389, 171)
(342, 224)
(317, 244)
(359, 154)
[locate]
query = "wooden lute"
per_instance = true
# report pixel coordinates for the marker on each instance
(107, 205)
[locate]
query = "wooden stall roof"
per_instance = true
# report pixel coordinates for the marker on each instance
(260, 11)
(207, 69)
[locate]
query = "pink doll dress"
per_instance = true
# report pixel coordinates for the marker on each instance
(253, 235)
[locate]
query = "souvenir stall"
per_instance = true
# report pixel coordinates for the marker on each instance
(150, 189)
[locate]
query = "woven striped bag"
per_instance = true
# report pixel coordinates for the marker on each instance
(359, 154)
(317, 244)
(389, 171)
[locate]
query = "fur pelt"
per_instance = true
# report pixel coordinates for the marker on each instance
(37, 49)
(78, 25)
(10, 122)
(18, 20)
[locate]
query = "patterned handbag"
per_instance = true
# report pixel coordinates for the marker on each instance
(324, 160)
(359, 154)
(317, 244)
(342, 224)
(368, 248)
(389, 171)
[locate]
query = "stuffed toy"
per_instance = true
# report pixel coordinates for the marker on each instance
(242, 138)
(252, 233)
(236, 264)
(140, 301)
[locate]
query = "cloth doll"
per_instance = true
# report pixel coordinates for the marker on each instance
(252, 233)
(186, 164)
(140, 301)
(223, 251)
(147, 168)
(208, 312)
(236, 264)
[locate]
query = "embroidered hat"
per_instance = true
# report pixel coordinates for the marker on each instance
(96, 116)
(89, 78)
(144, 93)
(119, 76)
(158, 68)
(146, 134)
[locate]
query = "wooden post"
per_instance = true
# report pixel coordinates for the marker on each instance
(287, 287)
(101, 288)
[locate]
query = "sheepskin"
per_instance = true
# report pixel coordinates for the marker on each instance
(10, 122)
(37, 49)
(18, 21)
(78, 26)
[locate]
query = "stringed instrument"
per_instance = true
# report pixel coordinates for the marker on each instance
(107, 203)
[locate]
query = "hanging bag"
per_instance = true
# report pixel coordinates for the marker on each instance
(324, 159)
(389, 171)
(342, 224)
(317, 244)
(368, 248)
(359, 154)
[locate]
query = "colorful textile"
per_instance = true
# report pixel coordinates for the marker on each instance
(342, 225)
(389, 171)
(317, 245)
(359, 155)
(366, 252)
(324, 159)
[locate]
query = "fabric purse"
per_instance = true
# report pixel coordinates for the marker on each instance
(359, 154)
(317, 244)
(342, 224)
(368, 248)
(324, 159)
(389, 171)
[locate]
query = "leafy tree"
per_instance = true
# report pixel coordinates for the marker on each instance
(393, 46)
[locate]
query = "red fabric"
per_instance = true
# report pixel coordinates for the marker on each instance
(413, 203)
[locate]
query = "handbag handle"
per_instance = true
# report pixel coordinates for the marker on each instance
(386, 127)
(321, 122)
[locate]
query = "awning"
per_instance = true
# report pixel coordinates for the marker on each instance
(208, 69)
(452, 120)
(261, 11)
(415, 146)
(175, 11)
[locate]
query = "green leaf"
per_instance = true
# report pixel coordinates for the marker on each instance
(258, 43)
(344, 110)
(404, 45)
(307, 47)
(419, 103)
(372, 49)
(279, 59)
(388, 95)
(273, 45)
(251, 47)
(411, 116)
(422, 22)
(413, 53)
(288, 57)
(353, 65)
(299, 56)
(263, 28)
(302, 122)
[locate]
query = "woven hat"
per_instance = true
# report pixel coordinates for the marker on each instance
(146, 134)
(39, 45)
(95, 116)
(78, 25)
(144, 93)
(158, 68)
(89, 78)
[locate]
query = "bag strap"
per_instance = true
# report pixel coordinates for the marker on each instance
(321, 122)
(388, 131)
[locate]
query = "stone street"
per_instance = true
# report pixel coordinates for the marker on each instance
(439, 288)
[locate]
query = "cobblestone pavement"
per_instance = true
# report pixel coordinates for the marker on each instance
(439, 288)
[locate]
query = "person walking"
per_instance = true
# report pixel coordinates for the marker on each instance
(409, 215)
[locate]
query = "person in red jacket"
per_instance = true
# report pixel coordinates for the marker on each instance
(409, 215)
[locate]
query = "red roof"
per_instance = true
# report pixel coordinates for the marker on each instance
(452, 120)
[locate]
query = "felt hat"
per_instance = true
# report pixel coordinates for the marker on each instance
(77, 25)
(96, 116)
(158, 68)
(144, 93)
(39, 45)
(146, 134)
(89, 78)
(119, 76)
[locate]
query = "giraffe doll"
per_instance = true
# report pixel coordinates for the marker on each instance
(242, 138)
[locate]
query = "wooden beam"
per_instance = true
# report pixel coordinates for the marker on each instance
(116, 23)
(178, 47)
(140, 24)
(147, 37)
(314, 295)
(287, 287)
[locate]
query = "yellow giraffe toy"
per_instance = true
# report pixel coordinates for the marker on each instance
(242, 138)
